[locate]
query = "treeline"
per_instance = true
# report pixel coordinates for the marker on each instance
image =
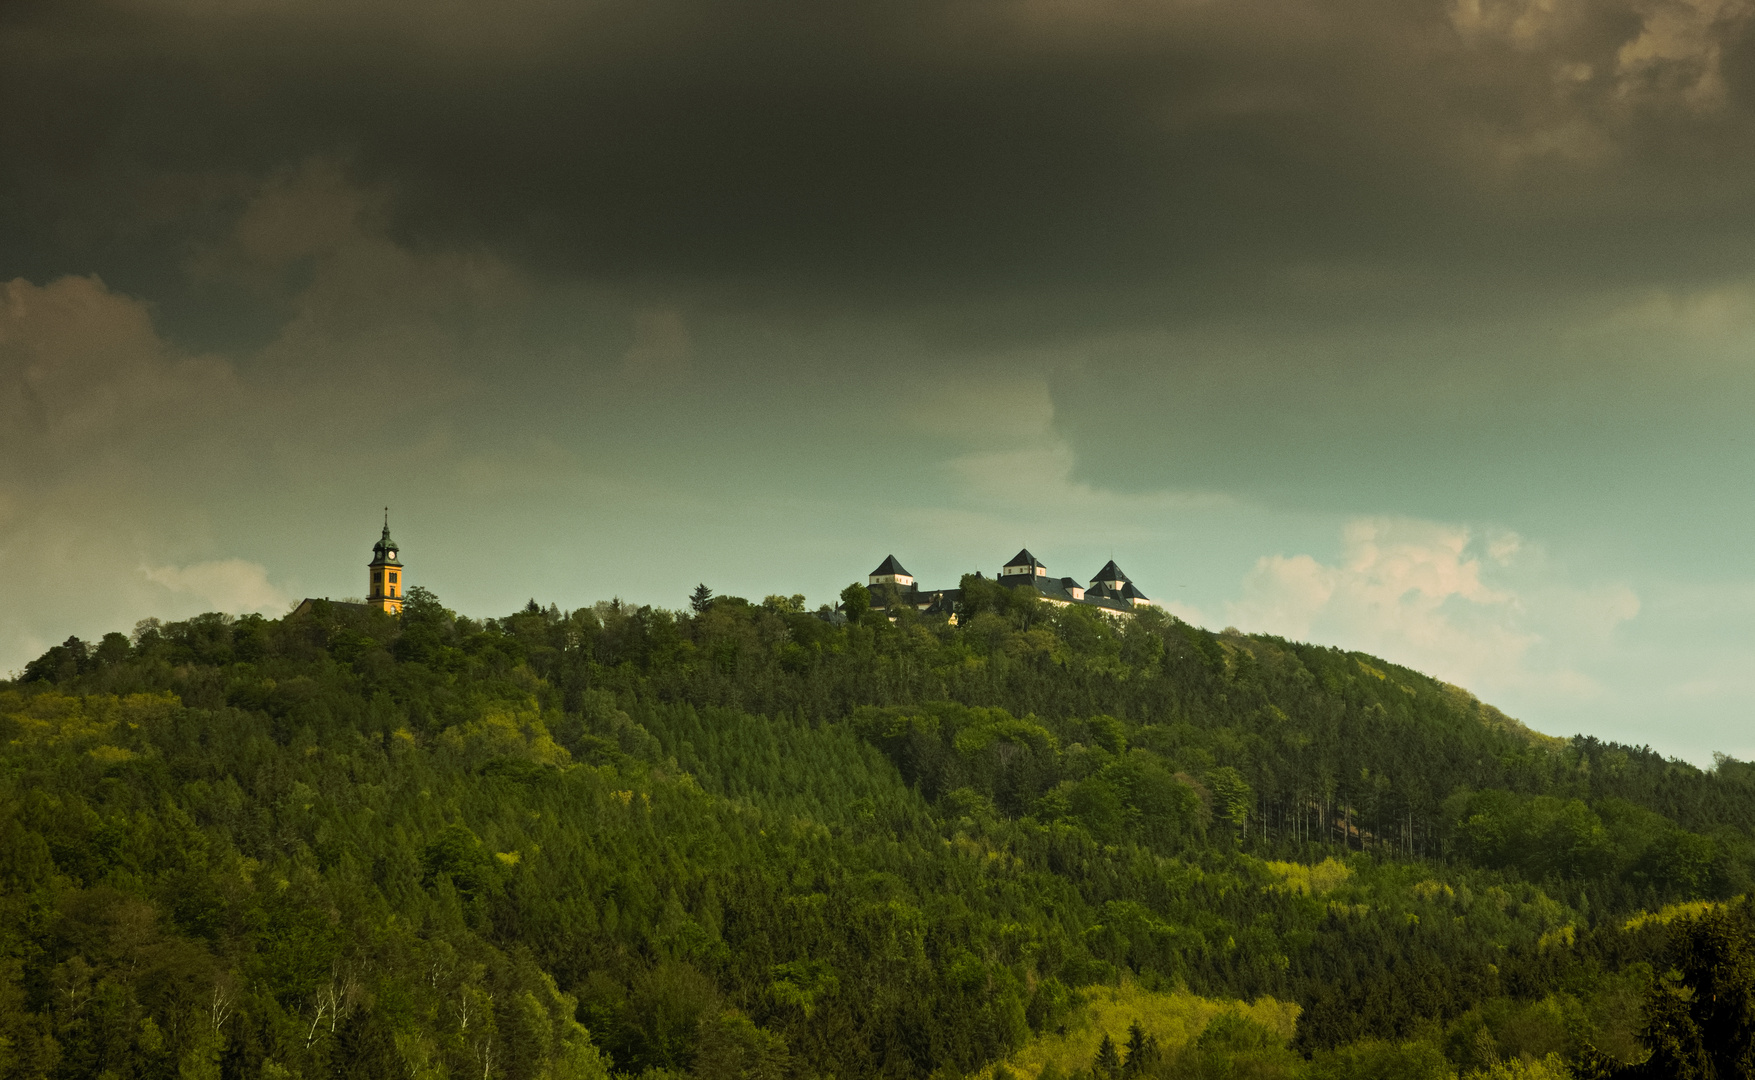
(746, 840)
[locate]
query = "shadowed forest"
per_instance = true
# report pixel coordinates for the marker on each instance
(747, 840)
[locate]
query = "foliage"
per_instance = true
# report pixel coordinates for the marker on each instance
(750, 840)
(1700, 1009)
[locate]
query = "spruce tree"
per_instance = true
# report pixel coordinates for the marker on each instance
(1108, 1062)
(1142, 1051)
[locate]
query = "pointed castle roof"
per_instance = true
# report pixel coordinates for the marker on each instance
(1024, 558)
(890, 566)
(1111, 572)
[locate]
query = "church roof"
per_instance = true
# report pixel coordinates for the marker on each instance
(382, 551)
(890, 566)
(308, 605)
(1110, 572)
(1024, 558)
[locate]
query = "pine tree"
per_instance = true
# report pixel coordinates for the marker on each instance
(701, 599)
(1142, 1051)
(1108, 1062)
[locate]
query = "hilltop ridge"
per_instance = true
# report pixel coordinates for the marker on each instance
(747, 841)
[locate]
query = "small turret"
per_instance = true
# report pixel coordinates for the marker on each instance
(1110, 576)
(1024, 563)
(890, 572)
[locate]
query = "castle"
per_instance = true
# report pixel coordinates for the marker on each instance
(1109, 592)
(383, 579)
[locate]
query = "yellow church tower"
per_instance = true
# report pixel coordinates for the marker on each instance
(384, 588)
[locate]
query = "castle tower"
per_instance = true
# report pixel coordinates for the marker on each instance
(890, 572)
(384, 581)
(1112, 584)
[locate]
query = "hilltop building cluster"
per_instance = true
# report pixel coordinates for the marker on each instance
(1110, 592)
(891, 585)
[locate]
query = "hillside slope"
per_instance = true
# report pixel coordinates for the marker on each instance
(746, 842)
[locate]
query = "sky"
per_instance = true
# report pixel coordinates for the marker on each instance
(1424, 328)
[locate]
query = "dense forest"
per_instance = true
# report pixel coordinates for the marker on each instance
(751, 840)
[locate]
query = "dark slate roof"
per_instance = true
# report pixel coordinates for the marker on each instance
(1108, 603)
(939, 601)
(1051, 588)
(1131, 593)
(308, 603)
(1110, 572)
(1024, 558)
(930, 601)
(890, 566)
(1056, 589)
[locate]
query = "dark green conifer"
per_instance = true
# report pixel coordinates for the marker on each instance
(1142, 1051)
(1107, 1064)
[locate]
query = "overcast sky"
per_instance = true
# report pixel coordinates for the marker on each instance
(1419, 327)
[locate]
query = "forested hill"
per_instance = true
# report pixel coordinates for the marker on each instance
(744, 841)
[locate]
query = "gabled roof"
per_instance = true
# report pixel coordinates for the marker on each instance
(1024, 558)
(1128, 592)
(890, 566)
(1110, 572)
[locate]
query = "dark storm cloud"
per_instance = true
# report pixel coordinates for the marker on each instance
(1106, 161)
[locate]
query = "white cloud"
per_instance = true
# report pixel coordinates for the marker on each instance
(231, 585)
(1418, 593)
